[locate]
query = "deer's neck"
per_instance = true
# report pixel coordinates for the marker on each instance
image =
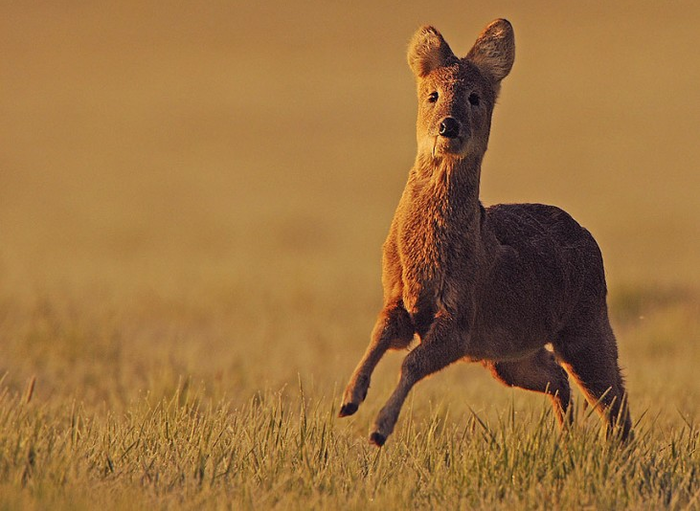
(448, 189)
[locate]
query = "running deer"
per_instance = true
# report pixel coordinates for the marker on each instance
(497, 285)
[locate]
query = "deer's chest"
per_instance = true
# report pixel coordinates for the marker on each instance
(427, 257)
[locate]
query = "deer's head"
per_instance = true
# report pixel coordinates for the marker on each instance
(456, 96)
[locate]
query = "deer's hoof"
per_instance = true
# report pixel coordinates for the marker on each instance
(347, 409)
(377, 439)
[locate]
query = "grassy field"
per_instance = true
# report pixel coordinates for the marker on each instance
(192, 203)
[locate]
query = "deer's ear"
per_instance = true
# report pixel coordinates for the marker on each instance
(494, 49)
(427, 51)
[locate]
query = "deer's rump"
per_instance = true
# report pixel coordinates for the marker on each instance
(550, 269)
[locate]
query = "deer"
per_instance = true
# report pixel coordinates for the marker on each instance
(519, 288)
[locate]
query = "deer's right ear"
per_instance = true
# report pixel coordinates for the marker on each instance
(427, 51)
(494, 49)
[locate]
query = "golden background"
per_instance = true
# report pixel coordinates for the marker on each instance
(203, 189)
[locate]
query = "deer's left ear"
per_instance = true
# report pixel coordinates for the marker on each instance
(494, 49)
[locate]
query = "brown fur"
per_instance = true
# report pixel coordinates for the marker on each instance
(492, 285)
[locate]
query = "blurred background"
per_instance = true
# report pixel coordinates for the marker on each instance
(201, 189)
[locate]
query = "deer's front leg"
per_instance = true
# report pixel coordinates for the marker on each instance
(393, 330)
(442, 345)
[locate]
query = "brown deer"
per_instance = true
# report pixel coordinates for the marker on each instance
(495, 285)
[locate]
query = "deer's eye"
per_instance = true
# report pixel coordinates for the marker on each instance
(433, 97)
(474, 99)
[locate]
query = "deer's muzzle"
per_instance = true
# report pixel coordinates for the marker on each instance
(449, 128)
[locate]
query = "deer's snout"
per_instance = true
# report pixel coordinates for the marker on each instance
(449, 127)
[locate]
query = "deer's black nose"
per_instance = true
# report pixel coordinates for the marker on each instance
(449, 127)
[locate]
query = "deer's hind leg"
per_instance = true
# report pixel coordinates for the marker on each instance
(539, 372)
(393, 330)
(588, 352)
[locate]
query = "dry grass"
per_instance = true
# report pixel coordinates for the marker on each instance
(192, 202)
(271, 452)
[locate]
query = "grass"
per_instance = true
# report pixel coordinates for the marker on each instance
(274, 452)
(124, 414)
(168, 400)
(200, 400)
